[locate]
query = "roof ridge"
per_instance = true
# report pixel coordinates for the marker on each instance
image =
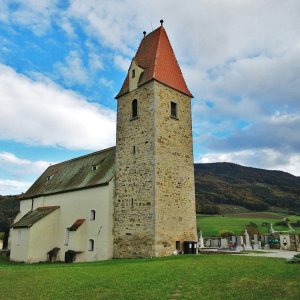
(82, 156)
(157, 51)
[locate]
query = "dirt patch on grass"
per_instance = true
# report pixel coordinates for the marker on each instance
(255, 215)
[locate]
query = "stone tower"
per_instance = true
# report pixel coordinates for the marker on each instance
(155, 191)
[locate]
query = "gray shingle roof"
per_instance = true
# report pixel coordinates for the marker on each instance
(87, 171)
(34, 216)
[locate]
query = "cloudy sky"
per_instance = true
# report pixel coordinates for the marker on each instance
(63, 62)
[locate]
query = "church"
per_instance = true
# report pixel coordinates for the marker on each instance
(133, 200)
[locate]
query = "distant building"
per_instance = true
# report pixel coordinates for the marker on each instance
(133, 200)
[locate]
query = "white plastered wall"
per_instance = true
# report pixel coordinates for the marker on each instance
(73, 206)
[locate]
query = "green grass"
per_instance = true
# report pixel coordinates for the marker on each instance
(188, 277)
(213, 225)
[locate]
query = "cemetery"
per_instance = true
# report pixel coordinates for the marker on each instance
(247, 242)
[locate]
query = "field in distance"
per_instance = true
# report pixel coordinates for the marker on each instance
(176, 277)
(213, 225)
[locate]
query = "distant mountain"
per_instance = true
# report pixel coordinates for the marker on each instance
(9, 207)
(256, 189)
(218, 184)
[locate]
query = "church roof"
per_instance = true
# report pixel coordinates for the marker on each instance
(34, 216)
(156, 56)
(83, 172)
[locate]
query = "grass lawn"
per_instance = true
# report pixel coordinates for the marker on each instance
(213, 225)
(177, 277)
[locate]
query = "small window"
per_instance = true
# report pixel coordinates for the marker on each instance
(50, 177)
(134, 109)
(92, 215)
(133, 73)
(177, 245)
(174, 112)
(133, 150)
(131, 204)
(94, 168)
(91, 245)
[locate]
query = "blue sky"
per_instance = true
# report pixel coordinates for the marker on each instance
(63, 62)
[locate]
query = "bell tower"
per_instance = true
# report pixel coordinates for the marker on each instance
(155, 191)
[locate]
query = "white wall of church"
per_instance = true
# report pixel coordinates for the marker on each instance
(73, 206)
(19, 244)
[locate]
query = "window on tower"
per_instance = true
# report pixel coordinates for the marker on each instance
(133, 73)
(174, 110)
(134, 109)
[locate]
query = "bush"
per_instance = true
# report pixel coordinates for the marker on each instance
(225, 234)
(281, 223)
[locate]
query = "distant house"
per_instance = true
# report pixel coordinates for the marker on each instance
(133, 200)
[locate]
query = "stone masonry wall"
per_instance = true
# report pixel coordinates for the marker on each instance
(155, 192)
(134, 200)
(175, 213)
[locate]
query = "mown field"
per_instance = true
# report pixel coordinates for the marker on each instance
(177, 277)
(213, 225)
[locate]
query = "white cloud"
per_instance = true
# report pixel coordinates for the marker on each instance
(42, 113)
(122, 63)
(17, 166)
(35, 14)
(13, 187)
(73, 70)
(260, 158)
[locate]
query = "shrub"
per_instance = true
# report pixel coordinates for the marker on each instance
(225, 234)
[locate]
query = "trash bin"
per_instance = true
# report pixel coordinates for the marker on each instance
(189, 247)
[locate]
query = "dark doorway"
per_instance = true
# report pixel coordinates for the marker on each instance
(70, 256)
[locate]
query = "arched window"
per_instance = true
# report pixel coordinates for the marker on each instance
(92, 215)
(134, 108)
(91, 245)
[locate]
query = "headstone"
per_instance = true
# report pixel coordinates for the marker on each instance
(256, 242)
(233, 239)
(201, 241)
(239, 243)
(215, 242)
(207, 243)
(285, 243)
(267, 245)
(247, 241)
(224, 243)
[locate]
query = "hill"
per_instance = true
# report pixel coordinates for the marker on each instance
(218, 185)
(255, 189)
(9, 207)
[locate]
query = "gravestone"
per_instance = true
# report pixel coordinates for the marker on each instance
(255, 242)
(285, 242)
(239, 243)
(267, 245)
(207, 242)
(233, 239)
(247, 241)
(215, 242)
(201, 241)
(224, 243)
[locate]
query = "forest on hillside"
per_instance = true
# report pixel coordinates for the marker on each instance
(218, 184)
(255, 189)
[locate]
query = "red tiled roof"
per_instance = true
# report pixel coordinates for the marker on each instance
(76, 224)
(156, 56)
